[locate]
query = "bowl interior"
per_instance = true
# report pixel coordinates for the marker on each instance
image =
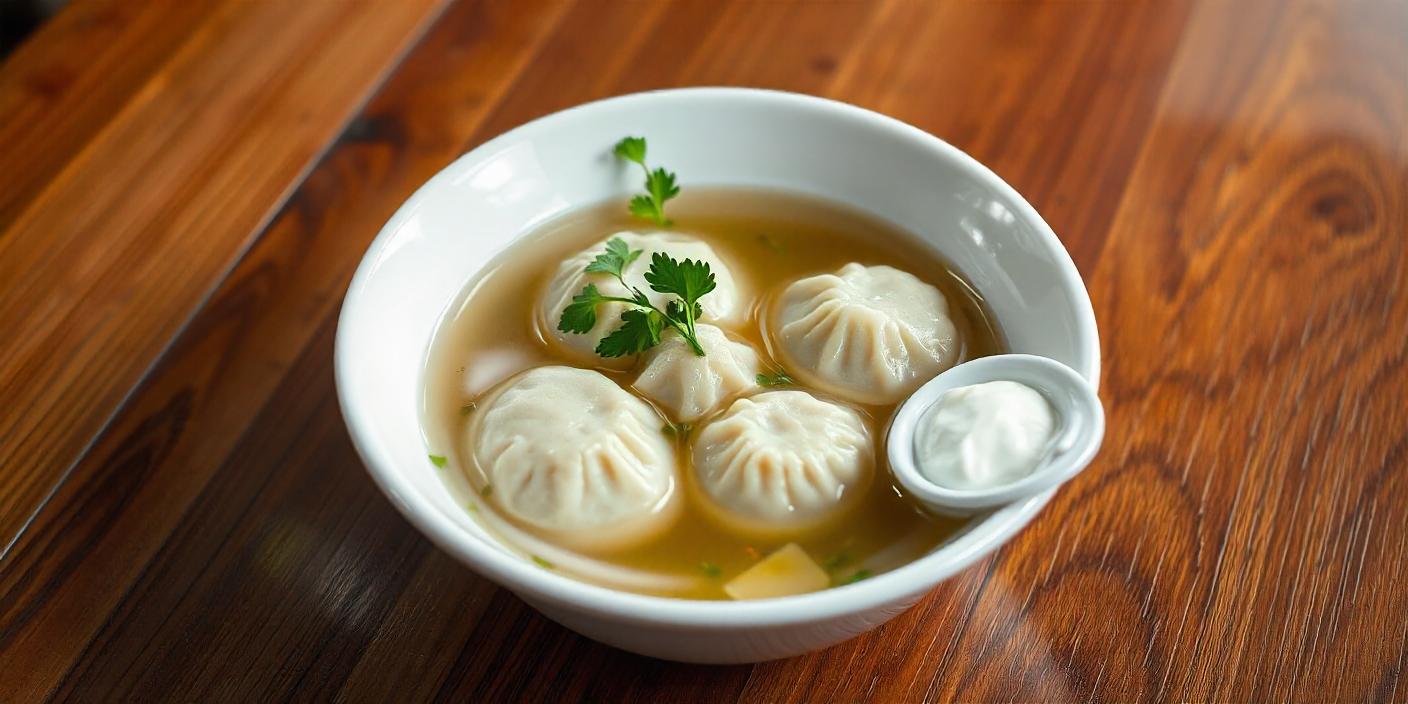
(482, 202)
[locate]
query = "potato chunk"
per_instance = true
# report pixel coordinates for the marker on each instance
(788, 571)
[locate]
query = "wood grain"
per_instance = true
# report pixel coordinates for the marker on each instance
(120, 244)
(1229, 177)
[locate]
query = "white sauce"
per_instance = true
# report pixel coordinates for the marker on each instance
(984, 436)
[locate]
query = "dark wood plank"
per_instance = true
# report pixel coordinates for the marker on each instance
(115, 249)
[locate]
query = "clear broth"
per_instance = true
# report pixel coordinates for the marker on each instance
(769, 240)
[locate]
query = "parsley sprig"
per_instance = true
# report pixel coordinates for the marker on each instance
(659, 183)
(781, 378)
(642, 324)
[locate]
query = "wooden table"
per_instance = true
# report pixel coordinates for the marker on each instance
(187, 185)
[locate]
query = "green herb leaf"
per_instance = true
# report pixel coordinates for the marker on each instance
(486, 490)
(640, 330)
(662, 187)
(580, 315)
(688, 279)
(642, 325)
(660, 184)
(642, 206)
(710, 569)
(631, 149)
(542, 563)
(615, 259)
(679, 430)
(779, 379)
(438, 460)
(858, 576)
(675, 311)
(836, 561)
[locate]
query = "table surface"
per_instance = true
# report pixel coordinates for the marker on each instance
(186, 187)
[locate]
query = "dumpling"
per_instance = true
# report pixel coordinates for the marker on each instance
(782, 462)
(569, 453)
(724, 305)
(690, 386)
(870, 334)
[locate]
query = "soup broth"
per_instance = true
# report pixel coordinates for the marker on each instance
(768, 240)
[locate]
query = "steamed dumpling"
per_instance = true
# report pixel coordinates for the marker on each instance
(689, 386)
(724, 305)
(782, 462)
(572, 454)
(870, 334)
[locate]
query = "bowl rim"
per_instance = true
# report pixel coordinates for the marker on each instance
(977, 539)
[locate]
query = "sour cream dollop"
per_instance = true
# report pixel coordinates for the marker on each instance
(984, 436)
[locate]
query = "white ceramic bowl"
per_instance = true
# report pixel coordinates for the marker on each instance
(487, 198)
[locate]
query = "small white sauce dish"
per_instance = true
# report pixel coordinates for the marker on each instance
(1080, 427)
(444, 235)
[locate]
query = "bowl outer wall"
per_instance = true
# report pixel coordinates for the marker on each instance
(590, 608)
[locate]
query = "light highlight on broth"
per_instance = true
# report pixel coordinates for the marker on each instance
(768, 240)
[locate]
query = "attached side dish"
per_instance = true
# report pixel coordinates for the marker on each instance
(870, 334)
(570, 453)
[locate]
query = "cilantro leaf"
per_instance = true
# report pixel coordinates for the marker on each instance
(837, 561)
(679, 430)
(615, 259)
(858, 576)
(643, 207)
(640, 330)
(674, 310)
(439, 460)
(688, 279)
(660, 184)
(580, 315)
(781, 378)
(631, 149)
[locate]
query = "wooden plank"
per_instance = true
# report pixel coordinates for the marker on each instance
(53, 100)
(100, 268)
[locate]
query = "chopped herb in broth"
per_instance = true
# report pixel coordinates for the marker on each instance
(768, 240)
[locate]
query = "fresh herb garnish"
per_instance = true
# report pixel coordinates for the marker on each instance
(642, 325)
(710, 569)
(659, 184)
(679, 430)
(779, 379)
(486, 490)
(836, 562)
(543, 563)
(858, 576)
(438, 460)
